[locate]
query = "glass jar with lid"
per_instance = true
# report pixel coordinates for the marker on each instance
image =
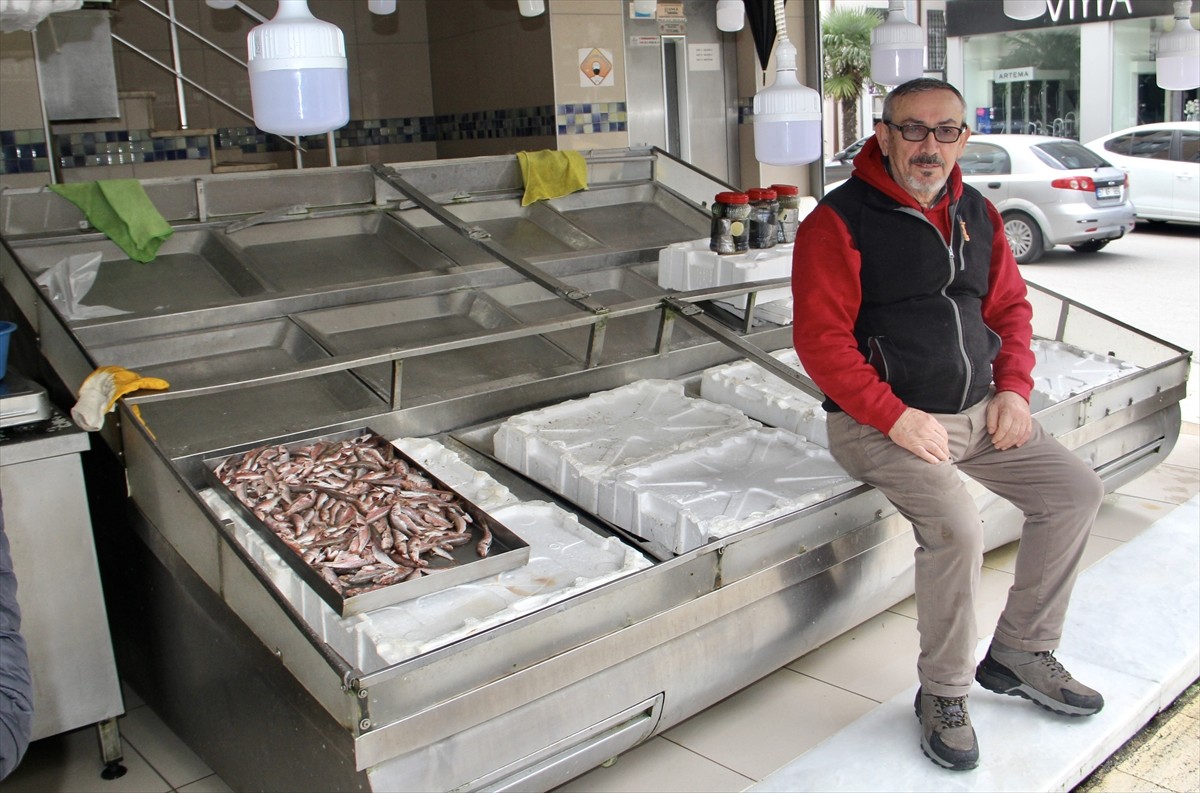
(730, 223)
(789, 212)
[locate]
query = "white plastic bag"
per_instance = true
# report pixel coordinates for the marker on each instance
(68, 282)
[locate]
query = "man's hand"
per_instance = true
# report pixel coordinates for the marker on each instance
(1008, 420)
(921, 434)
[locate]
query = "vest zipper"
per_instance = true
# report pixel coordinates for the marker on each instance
(968, 369)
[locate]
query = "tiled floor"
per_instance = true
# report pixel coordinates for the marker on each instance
(727, 747)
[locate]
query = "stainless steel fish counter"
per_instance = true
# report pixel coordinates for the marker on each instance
(420, 302)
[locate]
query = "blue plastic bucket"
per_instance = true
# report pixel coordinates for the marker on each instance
(6, 330)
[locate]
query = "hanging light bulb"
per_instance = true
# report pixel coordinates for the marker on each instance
(298, 80)
(531, 8)
(643, 9)
(897, 48)
(1178, 63)
(787, 115)
(731, 15)
(1024, 9)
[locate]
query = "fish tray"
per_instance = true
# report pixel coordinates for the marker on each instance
(508, 551)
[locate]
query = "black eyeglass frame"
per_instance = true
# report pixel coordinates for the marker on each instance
(937, 132)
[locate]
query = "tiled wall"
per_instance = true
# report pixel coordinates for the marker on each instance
(493, 71)
(24, 150)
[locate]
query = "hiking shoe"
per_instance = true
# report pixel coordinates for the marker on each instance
(1038, 677)
(947, 737)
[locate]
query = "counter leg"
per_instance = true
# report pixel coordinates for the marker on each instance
(110, 749)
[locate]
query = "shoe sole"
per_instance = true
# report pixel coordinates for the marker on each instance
(927, 750)
(1003, 684)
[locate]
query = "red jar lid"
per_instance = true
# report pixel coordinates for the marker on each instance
(786, 189)
(761, 194)
(732, 198)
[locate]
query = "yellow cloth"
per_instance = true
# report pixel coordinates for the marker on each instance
(100, 391)
(121, 209)
(550, 174)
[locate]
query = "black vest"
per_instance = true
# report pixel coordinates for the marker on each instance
(921, 323)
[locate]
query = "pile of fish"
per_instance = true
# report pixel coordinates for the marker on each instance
(354, 510)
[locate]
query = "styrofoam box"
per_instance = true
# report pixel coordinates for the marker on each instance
(573, 446)
(477, 487)
(565, 558)
(691, 265)
(726, 485)
(761, 395)
(1062, 370)
(777, 311)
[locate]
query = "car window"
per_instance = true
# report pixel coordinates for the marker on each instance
(851, 151)
(984, 158)
(1153, 145)
(1189, 146)
(1068, 155)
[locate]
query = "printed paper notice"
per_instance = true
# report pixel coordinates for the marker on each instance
(704, 57)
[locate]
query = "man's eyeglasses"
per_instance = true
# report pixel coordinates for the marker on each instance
(915, 133)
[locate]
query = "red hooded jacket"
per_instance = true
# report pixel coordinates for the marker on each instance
(828, 294)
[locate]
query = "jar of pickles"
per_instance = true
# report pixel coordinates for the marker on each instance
(764, 217)
(789, 212)
(730, 223)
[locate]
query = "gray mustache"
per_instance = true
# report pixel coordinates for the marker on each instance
(927, 160)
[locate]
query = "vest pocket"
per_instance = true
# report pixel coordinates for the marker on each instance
(878, 358)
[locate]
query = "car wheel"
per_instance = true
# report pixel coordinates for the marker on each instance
(1091, 246)
(1024, 237)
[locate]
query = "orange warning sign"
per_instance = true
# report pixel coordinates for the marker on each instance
(596, 66)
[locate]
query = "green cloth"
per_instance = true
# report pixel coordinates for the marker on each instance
(121, 209)
(550, 174)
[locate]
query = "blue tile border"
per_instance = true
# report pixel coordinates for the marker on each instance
(25, 150)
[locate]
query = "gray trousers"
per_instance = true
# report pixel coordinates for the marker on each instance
(1058, 493)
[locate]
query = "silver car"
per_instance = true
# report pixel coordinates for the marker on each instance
(1050, 191)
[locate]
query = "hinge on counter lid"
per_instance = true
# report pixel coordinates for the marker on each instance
(201, 202)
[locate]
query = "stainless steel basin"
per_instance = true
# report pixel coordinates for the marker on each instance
(318, 253)
(220, 355)
(440, 319)
(626, 337)
(193, 270)
(632, 216)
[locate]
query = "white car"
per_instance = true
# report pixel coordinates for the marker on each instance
(1163, 163)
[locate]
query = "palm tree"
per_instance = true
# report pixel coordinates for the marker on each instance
(846, 39)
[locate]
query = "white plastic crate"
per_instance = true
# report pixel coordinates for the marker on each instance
(1062, 370)
(761, 395)
(726, 485)
(777, 311)
(691, 265)
(573, 446)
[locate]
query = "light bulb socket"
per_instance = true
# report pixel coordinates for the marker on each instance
(731, 15)
(1024, 9)
(295, 39)
(1177, 63)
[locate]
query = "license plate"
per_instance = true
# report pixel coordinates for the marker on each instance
(1108, 192)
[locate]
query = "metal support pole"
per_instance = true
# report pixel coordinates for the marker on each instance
(175, 59)
(51, 147)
